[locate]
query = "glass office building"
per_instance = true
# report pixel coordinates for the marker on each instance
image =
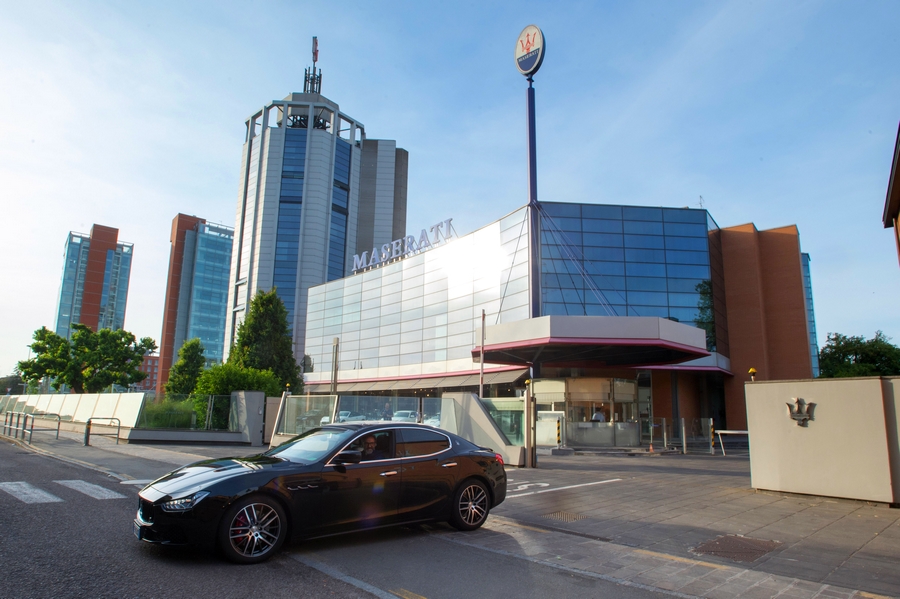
(810, 315)
(208, 288)
(94, 286)
(418, 315)
(410, 326)
(601, 260)
(196, 291)
(313, 192)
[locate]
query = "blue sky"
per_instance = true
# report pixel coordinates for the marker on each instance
(776, 113)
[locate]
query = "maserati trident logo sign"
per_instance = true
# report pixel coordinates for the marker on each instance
(441, 233)
(801, 411)
(530, 50)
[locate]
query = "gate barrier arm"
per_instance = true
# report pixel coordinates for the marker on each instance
(720, 433)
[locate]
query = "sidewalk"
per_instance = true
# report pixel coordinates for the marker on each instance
(638, 521)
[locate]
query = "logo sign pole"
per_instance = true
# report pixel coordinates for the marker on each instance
(529, 56)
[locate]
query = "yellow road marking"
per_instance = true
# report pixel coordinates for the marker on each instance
(871, 595)
(406, 594)
(683, 560)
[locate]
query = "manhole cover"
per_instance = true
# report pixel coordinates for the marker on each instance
(564, 516)
(737, 548)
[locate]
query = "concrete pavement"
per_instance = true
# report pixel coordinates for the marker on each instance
(690, 526)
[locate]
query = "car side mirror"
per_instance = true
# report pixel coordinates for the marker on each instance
(348, 457)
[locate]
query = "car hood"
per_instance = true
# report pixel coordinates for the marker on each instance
(201, 475)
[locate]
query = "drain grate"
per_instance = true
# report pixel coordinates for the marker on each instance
(564, 516)
(737, 548)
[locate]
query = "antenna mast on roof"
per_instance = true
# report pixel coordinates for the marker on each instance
(312, 81)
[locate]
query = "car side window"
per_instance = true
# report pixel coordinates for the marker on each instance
(414, 442)
(377, 445)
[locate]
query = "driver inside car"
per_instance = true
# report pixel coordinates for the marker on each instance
(370, 449)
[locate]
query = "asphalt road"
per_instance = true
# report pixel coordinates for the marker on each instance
(65, 531)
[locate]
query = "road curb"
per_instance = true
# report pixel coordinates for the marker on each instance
(68, 460)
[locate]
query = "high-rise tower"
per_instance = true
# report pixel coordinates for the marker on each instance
(196, 291)
(313, 189)
(94, 286)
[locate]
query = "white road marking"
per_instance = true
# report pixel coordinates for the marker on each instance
(95, 491)
(28, 494)
(599, 482)
(524, 486)
(142, 483)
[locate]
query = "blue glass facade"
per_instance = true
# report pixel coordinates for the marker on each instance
(113, 293)
(602, 260)
(290, 204)
(810, 315)
(340, 195)
(112, 315)
(209, 289)
(69, 309)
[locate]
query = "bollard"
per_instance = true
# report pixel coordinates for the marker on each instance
(558, 434)
(87, 433)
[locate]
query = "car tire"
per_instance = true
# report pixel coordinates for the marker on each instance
(471, 505)
(252, 529)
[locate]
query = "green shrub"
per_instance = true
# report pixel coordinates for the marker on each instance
(168, 414)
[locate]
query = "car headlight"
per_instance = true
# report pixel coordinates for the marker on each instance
(185, 503)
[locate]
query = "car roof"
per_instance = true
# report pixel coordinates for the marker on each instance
(360, 425)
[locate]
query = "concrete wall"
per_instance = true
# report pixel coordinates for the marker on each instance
(247, 415)
(849, 449)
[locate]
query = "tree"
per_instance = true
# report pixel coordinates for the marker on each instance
(706, 318)
(90, 362)
(11, 384)
(845, 356)
(184, 373)
(264, 341)
(222, 379)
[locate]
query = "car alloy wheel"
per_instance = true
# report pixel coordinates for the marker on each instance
(470, 506)
(252, 530)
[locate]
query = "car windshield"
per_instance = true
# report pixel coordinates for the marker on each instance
(312, 445)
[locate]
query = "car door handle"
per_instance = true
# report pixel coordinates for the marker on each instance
(389, 473)
(448, 465)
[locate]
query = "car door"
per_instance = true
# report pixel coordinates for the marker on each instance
(358, 496)
(429, 473)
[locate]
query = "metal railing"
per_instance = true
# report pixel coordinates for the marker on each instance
(87, 430)
(696, 435)
(18, 423)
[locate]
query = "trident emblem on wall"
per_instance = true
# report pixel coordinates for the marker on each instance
(801, 411)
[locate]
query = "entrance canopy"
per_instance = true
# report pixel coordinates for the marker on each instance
(591, 341)
(433, 382)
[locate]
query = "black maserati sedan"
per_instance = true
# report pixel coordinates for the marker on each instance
(330, 480)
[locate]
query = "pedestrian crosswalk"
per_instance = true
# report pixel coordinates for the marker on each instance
(28, 493)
